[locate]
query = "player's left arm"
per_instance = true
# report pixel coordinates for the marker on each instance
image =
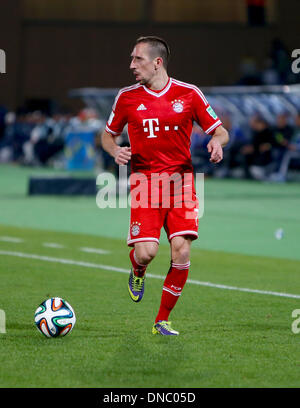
(219, 139)
(206, 117)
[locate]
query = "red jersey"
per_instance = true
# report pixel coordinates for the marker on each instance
(160, 124)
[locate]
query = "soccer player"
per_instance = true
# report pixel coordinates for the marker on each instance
(159, 111)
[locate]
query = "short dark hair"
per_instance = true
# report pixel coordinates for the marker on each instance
(159, 47)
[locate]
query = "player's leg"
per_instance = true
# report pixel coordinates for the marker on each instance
(176, 277)
(181, 249)
(140, 256)
(144, 233)
(182, 227)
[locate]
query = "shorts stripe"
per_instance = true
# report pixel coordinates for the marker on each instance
(132, 241)
(183, 233)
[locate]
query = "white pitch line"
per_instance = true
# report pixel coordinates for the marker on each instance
(122, 270)
(11, 239)
(52, 245)
(95, 250)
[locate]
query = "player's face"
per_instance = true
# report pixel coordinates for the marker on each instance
(142, 65)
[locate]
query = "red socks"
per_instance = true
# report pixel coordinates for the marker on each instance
(173, 284)
(172, 289)
(138, 269)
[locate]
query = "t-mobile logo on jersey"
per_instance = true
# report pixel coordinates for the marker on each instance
(152, 125)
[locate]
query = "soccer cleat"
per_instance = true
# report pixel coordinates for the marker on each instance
(136, 286)
(164, 328)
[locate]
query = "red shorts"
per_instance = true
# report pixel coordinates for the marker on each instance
(179, 217)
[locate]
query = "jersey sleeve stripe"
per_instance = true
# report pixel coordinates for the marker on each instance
(111, 131)
(194, 87)
(218, 123)
(126, 89)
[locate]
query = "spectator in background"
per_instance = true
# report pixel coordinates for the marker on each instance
(246, 155)
(39, 132)
(258, 154)
(200, 155)
(233, 163)
(233, 159)
(270, 75)
(283, 134)
(283, 131)
(46, 139)
(81, 140)
(3, 112)
(49, 137)
(276, 69)
(295, 143)
(17, 132)
(281, 60)
(32, 138)
(288, 139)
(250, 74)
(6, 144)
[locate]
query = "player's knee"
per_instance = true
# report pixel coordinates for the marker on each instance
(181, 252)
(145, 254)
(181, 256)
(145, 257)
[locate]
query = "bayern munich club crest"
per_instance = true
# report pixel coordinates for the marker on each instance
(135, 228)
(177, 105)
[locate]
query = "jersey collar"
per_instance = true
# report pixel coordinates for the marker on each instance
(161, 92)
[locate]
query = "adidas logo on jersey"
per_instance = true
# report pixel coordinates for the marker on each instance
(142, 107)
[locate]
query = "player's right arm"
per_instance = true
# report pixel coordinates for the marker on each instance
(114, 126)
(121, 154)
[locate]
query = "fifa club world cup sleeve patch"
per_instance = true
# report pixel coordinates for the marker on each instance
(212, 113)
(204, 114)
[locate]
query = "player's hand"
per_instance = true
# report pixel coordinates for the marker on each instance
(214, 147)
(122, 155)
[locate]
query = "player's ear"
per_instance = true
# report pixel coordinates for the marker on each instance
(158, 62)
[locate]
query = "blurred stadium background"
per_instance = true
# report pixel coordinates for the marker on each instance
(65, 61)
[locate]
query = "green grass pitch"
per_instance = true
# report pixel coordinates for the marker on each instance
(229, 336)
